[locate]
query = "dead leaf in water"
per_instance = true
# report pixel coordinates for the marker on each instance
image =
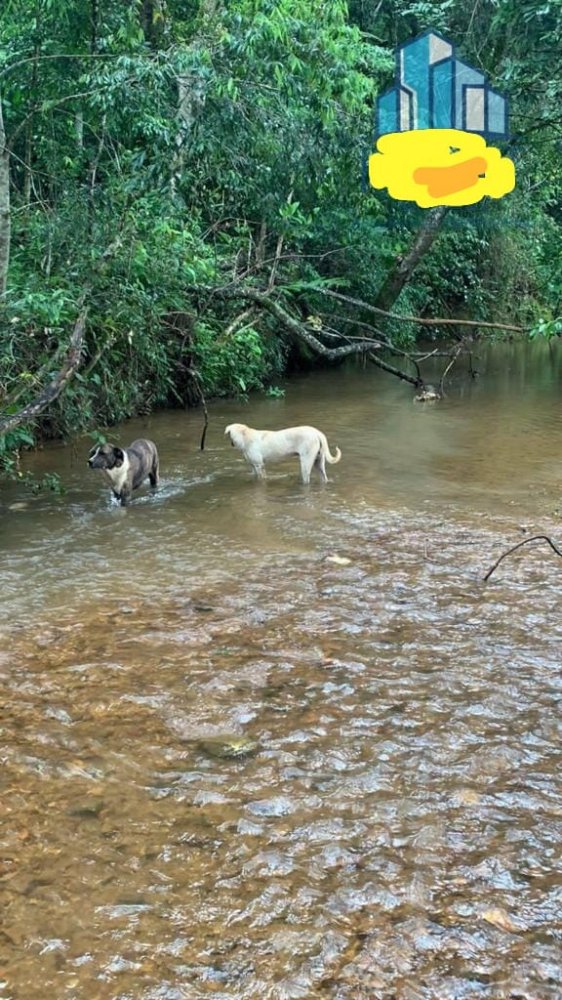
(501, 919)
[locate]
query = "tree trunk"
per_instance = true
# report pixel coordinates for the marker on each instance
(191, 98)
(94, 26)
(27, 175)
(403, 269)
(79, 127)
(152, 21)
(5, 219)
(192, 90)
(29, 135)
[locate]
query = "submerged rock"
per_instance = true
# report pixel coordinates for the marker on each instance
(228, 747)
(88, 809)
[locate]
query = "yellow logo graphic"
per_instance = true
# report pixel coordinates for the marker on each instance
(440, 167)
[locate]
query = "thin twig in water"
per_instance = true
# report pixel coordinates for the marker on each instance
(203, 402)
(448, 368)
(534, 538)
(205, 425)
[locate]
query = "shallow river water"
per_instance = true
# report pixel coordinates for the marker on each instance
(391, 828)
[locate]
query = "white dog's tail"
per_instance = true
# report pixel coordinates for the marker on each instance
(325, 451)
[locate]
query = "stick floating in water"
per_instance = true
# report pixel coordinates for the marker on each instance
(534, 538)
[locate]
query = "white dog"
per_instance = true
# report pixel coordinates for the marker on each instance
(271, 446)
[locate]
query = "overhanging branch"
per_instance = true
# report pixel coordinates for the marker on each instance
(56, 386)
(294, 327)
(349, 345)
(59, 55)
(376, 360)
(438, 321)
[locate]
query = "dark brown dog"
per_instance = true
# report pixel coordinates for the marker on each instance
(126, 468)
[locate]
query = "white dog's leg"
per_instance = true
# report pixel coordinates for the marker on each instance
(320, 463)
(307, 458)
(259, 470)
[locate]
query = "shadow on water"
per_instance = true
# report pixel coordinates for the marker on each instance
(233, 768)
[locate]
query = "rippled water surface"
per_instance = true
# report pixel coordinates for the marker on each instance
(388, 823)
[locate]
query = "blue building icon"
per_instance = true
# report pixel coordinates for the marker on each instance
(434, 89)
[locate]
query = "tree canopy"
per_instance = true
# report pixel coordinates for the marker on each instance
(195, 170)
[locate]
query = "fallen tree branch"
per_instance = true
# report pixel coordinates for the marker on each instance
(57, 384)
(414, 359)
(534, 538)
(71, 364)
(354, 345)
(375, 360)
(11, 400)
(438, 321)
(296, 328)
(238, 321)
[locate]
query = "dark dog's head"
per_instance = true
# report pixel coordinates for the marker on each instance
(106, 456)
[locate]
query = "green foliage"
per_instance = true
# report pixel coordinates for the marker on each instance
(10, 445)
(547, 328)
(50, 482)
(235, 365)
(201, 140)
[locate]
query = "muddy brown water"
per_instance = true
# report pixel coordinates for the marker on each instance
(394, 829)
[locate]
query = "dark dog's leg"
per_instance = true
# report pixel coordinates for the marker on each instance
(125, 496)
(154, 475)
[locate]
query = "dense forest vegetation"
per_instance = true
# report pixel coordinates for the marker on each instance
(183, 209)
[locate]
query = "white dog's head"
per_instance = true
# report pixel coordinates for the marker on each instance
(237, 434)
